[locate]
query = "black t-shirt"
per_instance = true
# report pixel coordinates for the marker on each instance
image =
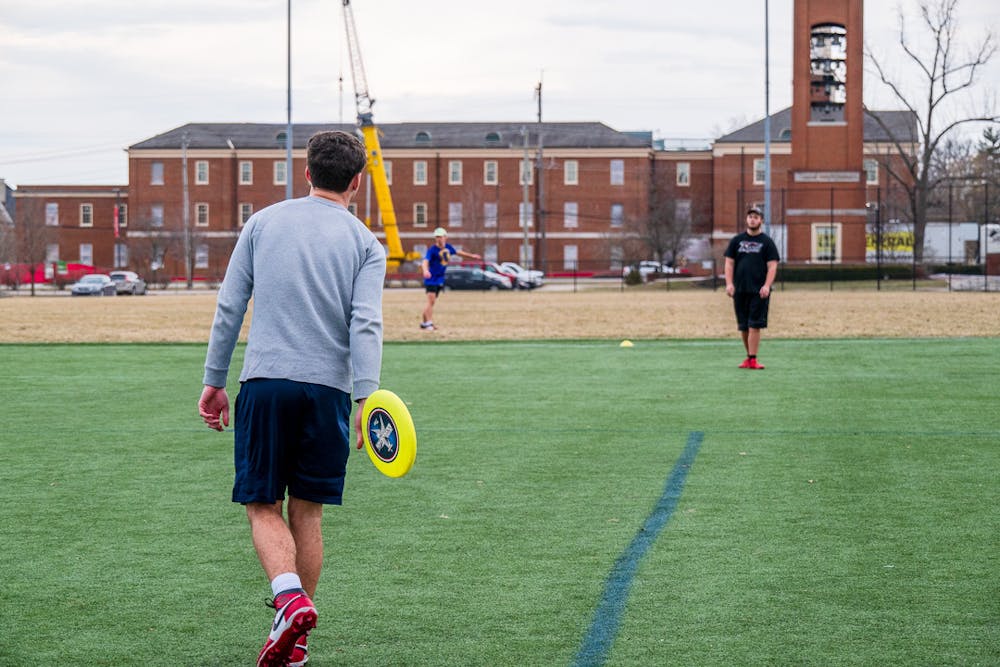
(751, 254)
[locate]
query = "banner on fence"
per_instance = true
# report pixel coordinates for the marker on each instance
(895, 243)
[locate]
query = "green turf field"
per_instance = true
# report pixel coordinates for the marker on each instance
(571, 504)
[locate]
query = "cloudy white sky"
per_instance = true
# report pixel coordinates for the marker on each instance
(84, 80)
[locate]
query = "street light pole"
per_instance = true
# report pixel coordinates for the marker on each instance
(288, 130)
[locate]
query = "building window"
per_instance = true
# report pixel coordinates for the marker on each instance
(490, 214)
(490, 253)
(156, 173)
(455, 214)
(828, 72)
(683, 174)
(121, 254)
(617, 257)
(246, 173)
(422, 137)
(246, 210)
(201, 256)
(571, 172)
(201, 215)
(491, 174)
(87, 254)
(871, 172)
(201, 172)
(387, 164)
(122, 215)
(618, 172)
(156, 215)
(280, 172)
(525, 214)
(492, 138)
(352, 208)
(759, 170)
(617, 215)
(527, 172)
(571, 258)
(571, 214)
(52, 214)
(86, 215)
(51, 253)
(682, 210)
(420, 214)
(455, 172)
(826, 239)
(420, 172)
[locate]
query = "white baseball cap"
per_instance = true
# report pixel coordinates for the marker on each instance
(440, 231)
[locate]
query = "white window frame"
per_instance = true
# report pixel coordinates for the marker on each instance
(454, 172)
(491, 172)
(617, 169)
(522, 209)
(759, 171)
(86, 215)
(683, 174)
(387, 165)
(280, 172)
(246, 172)
(156, 215)
(420, 172)
(201, 172)
(617, 215)
(86, 254)
(491, 214)
(571, 257)
(122, 215)
(52, 214)
(871, 168)
(571, 215)
(201, 256)
(246, 210)
(51, 252)
(419, 214)
(821, 230)
(121, 254)
(571, 172)
(156, 173)
(682, 210)
(201, 211)
(454, 214)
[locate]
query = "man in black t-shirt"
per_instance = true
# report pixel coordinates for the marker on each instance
(751, 266)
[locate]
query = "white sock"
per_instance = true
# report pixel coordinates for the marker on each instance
(285, 582)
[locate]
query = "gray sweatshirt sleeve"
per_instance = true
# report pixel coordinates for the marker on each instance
(231, 308)
(366, 323)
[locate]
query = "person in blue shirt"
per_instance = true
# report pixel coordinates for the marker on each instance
(434, 265)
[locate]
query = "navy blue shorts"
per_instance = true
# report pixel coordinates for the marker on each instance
(751, 310)
(290, 435)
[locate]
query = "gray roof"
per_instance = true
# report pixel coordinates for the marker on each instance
(403, 135)
(902, 124)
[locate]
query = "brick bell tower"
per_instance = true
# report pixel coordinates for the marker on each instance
(826, 199)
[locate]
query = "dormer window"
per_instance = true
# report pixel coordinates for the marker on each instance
(422, 137)
(493, 138)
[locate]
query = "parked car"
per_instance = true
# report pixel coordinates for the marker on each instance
(648, 268)
(526, 278)
(491, 267)
(472, 277)
(128, 282)
(94, 284)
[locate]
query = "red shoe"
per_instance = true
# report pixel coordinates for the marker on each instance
(300, 654)
(755, 365)
(294, 618)
(746, 363)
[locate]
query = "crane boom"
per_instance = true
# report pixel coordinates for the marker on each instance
(369, 132)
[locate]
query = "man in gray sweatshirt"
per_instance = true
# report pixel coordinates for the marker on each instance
(315, 273)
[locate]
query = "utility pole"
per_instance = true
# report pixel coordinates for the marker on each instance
(288, 130)
(539, 194)
(767, 121)
(525, 164)
(186, 213)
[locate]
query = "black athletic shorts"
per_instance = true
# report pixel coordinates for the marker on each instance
(751, 310)
(290, 435)
(434, 289)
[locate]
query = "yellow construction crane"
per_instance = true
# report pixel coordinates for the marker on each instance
(376, 166)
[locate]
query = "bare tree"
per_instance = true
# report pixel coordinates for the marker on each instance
(32, 236)
(664, 232)
(947, 77)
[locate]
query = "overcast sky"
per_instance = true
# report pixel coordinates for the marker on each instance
(84, 80)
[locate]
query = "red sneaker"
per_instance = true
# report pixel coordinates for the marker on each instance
(746, 363)
(300, 654)
(755, 365)
(294, 618)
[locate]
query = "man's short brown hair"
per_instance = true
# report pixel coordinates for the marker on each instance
(334, 159)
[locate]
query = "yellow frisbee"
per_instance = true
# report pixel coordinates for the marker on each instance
(387, 429)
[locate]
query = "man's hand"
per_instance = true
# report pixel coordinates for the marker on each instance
(213, 406)
(730, 289)
(765, 292)
(357, 422)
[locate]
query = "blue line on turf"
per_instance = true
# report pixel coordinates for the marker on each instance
(604, 627)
